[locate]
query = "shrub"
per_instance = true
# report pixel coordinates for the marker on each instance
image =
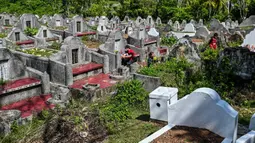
(31, 31)
(168, 41)
(55, 45)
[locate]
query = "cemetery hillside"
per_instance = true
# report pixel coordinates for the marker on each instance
(127, 71)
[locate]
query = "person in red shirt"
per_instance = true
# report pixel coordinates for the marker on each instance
(128, 57)
(213, 41)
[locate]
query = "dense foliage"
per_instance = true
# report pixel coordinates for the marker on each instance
(168, 41)
(166, 9)
(31, 31)
(130, 95)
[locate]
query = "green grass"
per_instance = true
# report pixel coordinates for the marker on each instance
(133, 130)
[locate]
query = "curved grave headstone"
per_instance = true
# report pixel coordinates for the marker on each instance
(204, 108)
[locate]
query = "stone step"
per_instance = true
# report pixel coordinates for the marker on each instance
(30, 106)
(14, 91)
(87, 70)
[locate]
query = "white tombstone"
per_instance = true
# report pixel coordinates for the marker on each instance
(189, 28)
(202, 32)
(204, 108)
(159, 100)
(200, 23)
(101, 28)
(170, 22)
(252, 123)
(249, 39)
(176, 26)
(153, 32)
(183, 24)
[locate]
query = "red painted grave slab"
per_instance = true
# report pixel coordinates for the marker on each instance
(102, 79)
(86, 68)
(86, 33)
(17, 84)
(25, 42)
(30, 105)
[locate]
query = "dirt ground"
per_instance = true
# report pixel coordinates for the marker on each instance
(181, 134)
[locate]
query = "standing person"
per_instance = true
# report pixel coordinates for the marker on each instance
(128, 57)
(150, 59)
(213, 42)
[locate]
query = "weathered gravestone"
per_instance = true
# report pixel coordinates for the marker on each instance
(202, 32)
(189, 28)
(176, 26)
(249, 39)
(183, 24)
(186, 49)
(248, 22)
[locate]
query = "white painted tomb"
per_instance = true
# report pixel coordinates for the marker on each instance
(203, 108)
(159, 100)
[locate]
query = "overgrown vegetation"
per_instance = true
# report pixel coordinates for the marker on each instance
(38, 52)
(168, 41)
(55, 45)
(60, 28)
(3, 35)
(215, 75)
(90, 42)
(130, 95)
(31, 31)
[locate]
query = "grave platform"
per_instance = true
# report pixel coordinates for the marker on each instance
(85, 33)
(14, 91)
(31, 105)
(27, 42)
(86, 70)
(102, 79)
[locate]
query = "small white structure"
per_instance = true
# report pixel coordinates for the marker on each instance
(249, 39)
(159, 100)
(189, 28)
(153, 32)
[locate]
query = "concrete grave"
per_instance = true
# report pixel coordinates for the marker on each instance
(183, 24)
(57, 21)
(103, 20)
(158, 21)
(45, 37)
(207, 111)
(7, 20)
(150, 21)
(176, 26)
(77, 25)
(153, 32)
(202, 32)
(159, 100)
(139, 20)
(189, 28)
(248, 21)
(74, 49)
(126, 19)
(249, 39)
(170, 22)
(101, 28)
(45, 19)
(200, 23)
(193, 22)
(28, 21)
